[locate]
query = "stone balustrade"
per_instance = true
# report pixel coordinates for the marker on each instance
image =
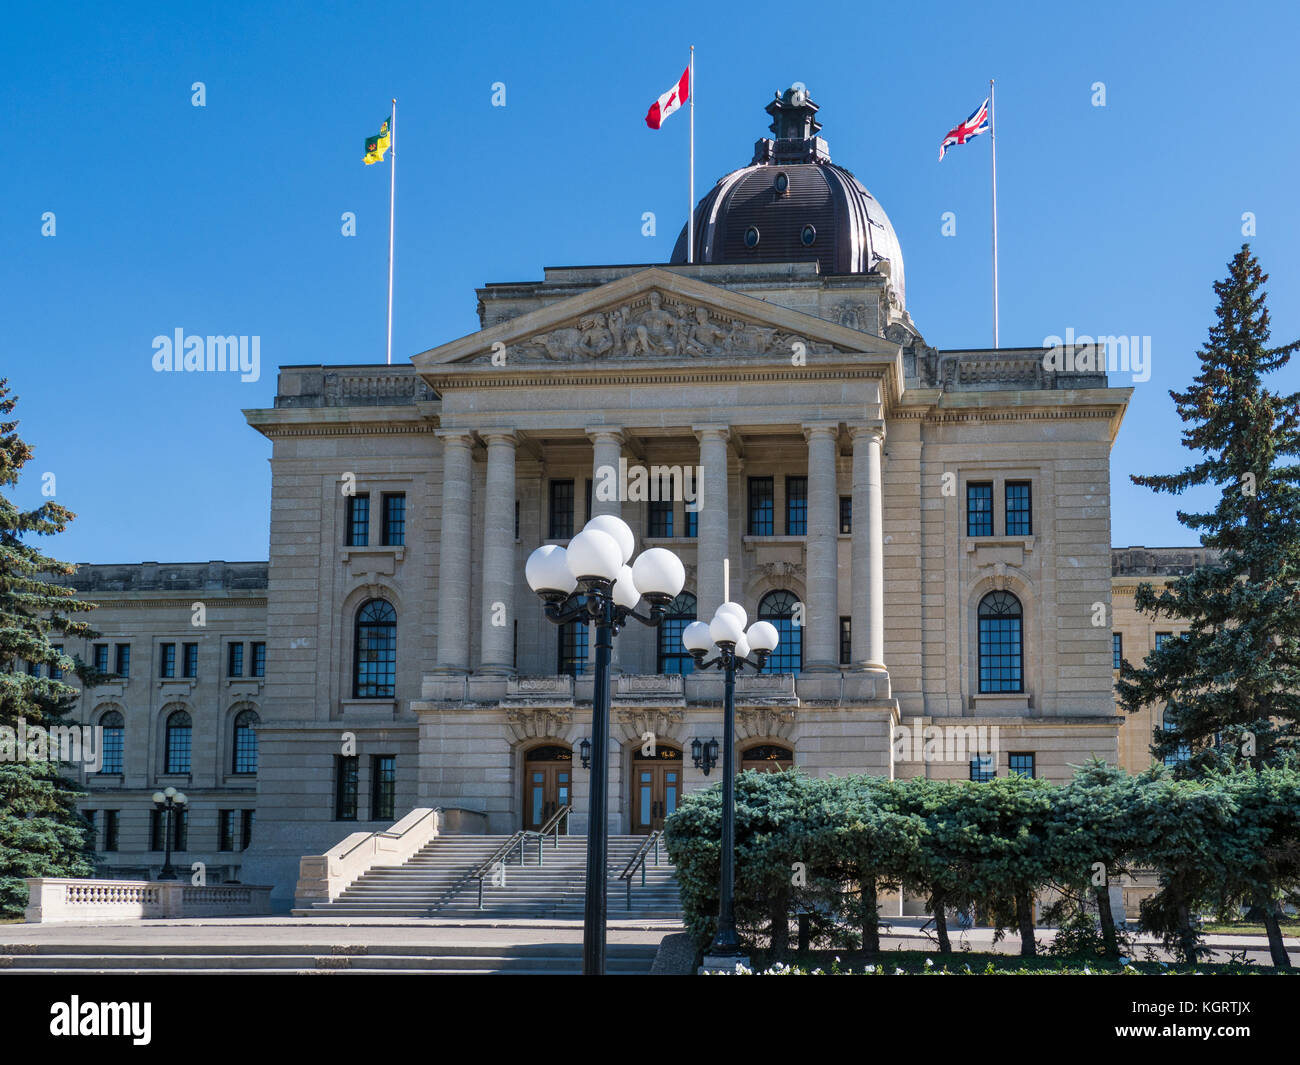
(69, 899)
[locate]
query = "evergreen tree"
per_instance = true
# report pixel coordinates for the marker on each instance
(41, 831)
(1231, 682)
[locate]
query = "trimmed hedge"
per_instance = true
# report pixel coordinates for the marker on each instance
(828, 847)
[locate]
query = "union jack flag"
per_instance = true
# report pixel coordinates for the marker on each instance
(975, 125)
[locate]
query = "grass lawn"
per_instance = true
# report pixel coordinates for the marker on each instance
(1289, 928)
(914, 962)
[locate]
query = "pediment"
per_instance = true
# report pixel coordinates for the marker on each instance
(652, 317)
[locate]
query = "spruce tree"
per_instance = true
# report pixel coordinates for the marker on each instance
(1231, 682)
(41, 831)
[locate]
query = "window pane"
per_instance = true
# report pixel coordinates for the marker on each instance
(1019, 509)
(673, 657)
(345, 787)
(1116, 650)
(383, 787)
(573, 649)
(561, 527)
(762, 505)
(796, 506)
(1021, 764)
(846, 514)
(246, 742)
(779, 608)
(375, 674)
(235, 660)
(846, 641)
(394, 533)
(101, 657)
(358, 521)
(259, 660)
(661, 518)
(112, 742)
(692, 521)
(982, 769)
(167, 660)
(979, 510)
(122, 663)
(1000, 643)
(190, 661)
(179, 732)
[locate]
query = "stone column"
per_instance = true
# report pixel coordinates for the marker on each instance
(712, 519)
(868, 550)
(454, 554)
(821, 610)
(607, 449)
(498, 607)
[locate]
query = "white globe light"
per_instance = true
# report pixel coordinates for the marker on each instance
(180, 799)
(169, 791)
(547, 571)
(724, 628)
(763, 636)
(619, 530)
(625, 593)
(742, 647)
(593, 553)
(157, 796)
(696, 637)
(659, 572)
(736, 610)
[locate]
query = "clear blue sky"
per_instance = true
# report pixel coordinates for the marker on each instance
(225, 219)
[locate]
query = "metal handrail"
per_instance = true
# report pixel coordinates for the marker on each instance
(638, 861)
(520, 841)
(386, 834)
(552, 826)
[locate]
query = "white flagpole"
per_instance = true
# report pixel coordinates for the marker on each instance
(392, 207)
(993, 143)
(690, 194)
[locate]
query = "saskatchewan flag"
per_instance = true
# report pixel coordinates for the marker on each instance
(378, 144)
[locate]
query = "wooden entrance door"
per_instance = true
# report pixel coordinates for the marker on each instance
(656, 789)
(548, 775)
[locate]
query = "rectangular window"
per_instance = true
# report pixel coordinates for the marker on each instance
(572, 649)
(247, 817)
(157, 820)
(190, 660)
(345, 787)
(33, 669)
(111, 743)
(259, 660)
(1116, 650)
(1020, 518)
(90, 816)
(660, 518)
(1162, 638)
(846, 515)
(796, 506)
(55, 672)
(225, 830)
(979, 509)
(561, 520)
(762, 506)
(692, 522)
(166, 660)
(101, 658)
(235, 660)
(846, 641)
(394, 519)
(358, 522)
(383, 787)
(1021, 763)
(112, 819)
(181, 829)
(982, 769)
(122, 660)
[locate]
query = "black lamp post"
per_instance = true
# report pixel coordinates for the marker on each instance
(592, 582)
(727, 636)
(167, 802)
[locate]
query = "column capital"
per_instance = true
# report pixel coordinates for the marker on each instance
(811, 429)
(611, 433)
(452, 436)
(499, 436)
(722, 432)
(868, 429)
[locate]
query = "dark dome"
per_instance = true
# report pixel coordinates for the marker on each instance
(792, 204)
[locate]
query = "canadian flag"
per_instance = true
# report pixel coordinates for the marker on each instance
(669, 101)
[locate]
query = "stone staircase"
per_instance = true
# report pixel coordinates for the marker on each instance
(437, 882)
(186, 959)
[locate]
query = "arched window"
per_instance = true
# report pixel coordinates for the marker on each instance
(1176, 757)
(767, 758)
(673, 657)
(779, 608)
(180, 729)
(246, 722)
(1001, 643)
(112, 742)
(375, 672)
